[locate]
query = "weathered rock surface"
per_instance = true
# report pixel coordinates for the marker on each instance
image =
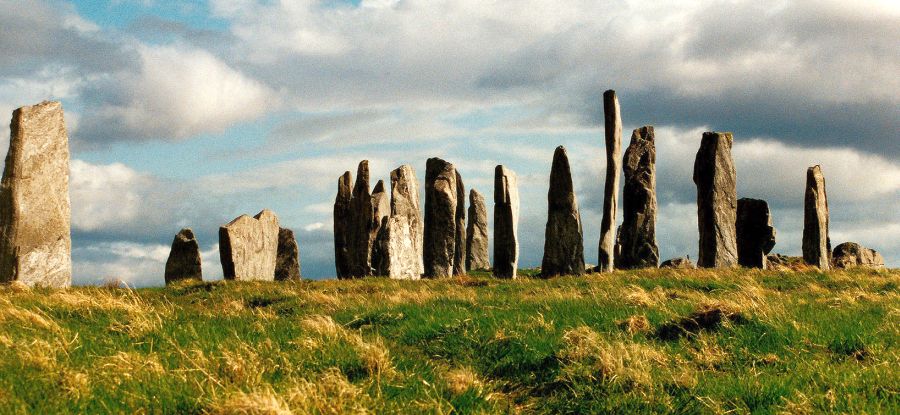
(35, 215)
(715, 178)
(459, 255)
(400, 239)
(678, 263)
(816, 242)
(477, 255)
(440, 218)
(563, 237)
(506, 223)
(342, 227)
(637, 236)
(184, 258)
(362, 224)
(248, 247)
(755, 233)
(851, 255)
(613, 130)
(287, 263)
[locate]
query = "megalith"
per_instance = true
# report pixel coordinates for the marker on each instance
(563, 237)
(440, 218)
(400, 239)
(459, 254)
(477, 255)
(816, 242)
(287, 263)
(506, 223)
(852, 255)
(184, 258)
(35, 214)
(637, 236)
(755, 233)
(613, 129)
(248, 247)
(342, 227)
(715, 178)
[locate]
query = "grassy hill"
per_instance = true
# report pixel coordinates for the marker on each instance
(655, 341)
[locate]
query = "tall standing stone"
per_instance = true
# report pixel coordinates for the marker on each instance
(367, 211)
(287, 263)
(477, 256)
(755, 233)
(440, 218)
(506, 223)
(563, 237)
(816, 242)
(613, 128)
(342, 227)
(459, 255)
(400, 239)
(184, 258)
(636, 241)
(715, 178)
(248, 247)
(35, 215)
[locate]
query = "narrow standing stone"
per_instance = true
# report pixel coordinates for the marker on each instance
(816, 242)
(184, 258)
(342, 227)
(35, 215)
(459, 255)
(287, 264)
(400, 239)
(755, 233)
(563, 237)
(637, 236)
(613, 128)
(367, 210)
(248, 247)
(715, 178)
(440, 218)
(506, 223)
(381, 210)
(477, 256)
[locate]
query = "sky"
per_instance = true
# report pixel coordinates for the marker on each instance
(189, 114)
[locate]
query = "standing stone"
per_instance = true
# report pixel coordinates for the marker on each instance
(361, 217)
(477, 256)
(287, 263)
(184, 258)
(613, 128)
(381, 210)
(816, 242)
(459, 255)
(755, 233)
(400, 239)
(506, 223)
(35, 215)
(637, 236)
(715, 178)
(248, 247)
(342, 227)
(563, 238)
(440, 218)
(851, 255)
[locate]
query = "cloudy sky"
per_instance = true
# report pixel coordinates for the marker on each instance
(187, 114)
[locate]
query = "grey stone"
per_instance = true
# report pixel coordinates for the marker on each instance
(440, 218)
(678, 263)
(506, 223)
(459, 255)
(381, 211)
(287, 263)
(852, 255)
(563, 237)
(362, 226)
(184, 258)
(342, 227)
(248, 247)
(816, 242)
(755, 233)
(613, 130)
(715, 178)
(35, 214)
(477, 255)
(636, 239)
(400, 238)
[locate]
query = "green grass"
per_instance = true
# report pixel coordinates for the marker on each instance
(654, 341)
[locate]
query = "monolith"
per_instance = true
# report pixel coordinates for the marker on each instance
(755, 233)
(637, 236)
(477, 255)
(381, 210)
(248, 247)
(613, 129)
(563, 238)
(400, 238)
(440, 218)
(459, 255)
(715, 178)
(342, 227)
(851, 255)
(35, 215)
(816, 242)
(184, 258)
(287, 263)
(506, 223)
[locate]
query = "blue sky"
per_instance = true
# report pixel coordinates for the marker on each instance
(192, 113)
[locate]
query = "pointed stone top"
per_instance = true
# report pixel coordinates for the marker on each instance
(644, 133)
(265, 213)
(362, 179)
(379, 187)
(345, 188)
(185, 234)
(610, 93)
(475, 195)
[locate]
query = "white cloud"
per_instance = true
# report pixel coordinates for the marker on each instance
(105, 195)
